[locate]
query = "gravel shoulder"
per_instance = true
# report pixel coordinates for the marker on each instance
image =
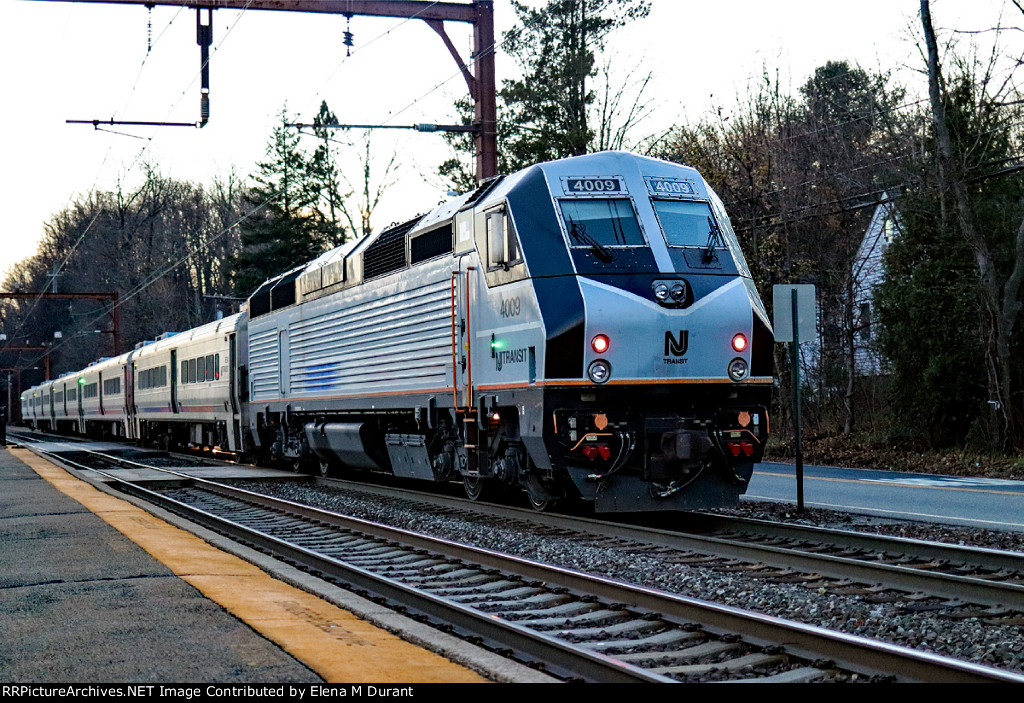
(932, 532)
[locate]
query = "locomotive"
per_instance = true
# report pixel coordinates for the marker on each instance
(584, 328)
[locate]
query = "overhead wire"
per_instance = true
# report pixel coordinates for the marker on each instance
(170, 267)
(27, 314)
(509, 36)
(92, 188)
(173, 265)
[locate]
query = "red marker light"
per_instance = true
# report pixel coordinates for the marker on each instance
(600, 343)
(739, 342)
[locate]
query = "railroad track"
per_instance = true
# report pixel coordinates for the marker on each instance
(574, 625)
(837, 560)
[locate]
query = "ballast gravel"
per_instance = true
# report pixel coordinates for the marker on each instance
(991, 641)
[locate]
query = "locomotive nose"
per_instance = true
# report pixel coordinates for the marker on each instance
(631, 336)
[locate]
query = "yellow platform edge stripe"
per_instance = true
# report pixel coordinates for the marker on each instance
(331, 641)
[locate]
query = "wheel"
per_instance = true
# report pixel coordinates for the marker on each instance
(296, 466)
(539, 499)
(540, 503)
(474, 486)
(325, 468)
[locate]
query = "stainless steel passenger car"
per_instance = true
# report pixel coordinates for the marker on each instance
(185, 387)
(583, 328)
(89, 402)
(101, 387)
(181, 389)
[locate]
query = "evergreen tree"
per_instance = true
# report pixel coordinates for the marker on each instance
(935, 329)
(283, 228)
(325, 182)
(927, 316)
(549, 112)
(555, 47)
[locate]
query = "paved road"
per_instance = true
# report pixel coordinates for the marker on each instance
(987, 503)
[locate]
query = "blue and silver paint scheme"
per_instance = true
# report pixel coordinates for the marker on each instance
(472, 359)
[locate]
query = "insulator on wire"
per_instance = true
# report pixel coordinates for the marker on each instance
(347, 40)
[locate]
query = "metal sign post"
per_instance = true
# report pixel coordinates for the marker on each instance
(797, 417)
(795, 317)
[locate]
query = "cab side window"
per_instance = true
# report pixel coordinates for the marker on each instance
(502, 245)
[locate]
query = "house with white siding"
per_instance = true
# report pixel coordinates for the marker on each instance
(867, 273)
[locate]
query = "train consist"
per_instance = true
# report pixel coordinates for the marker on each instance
(582, 328)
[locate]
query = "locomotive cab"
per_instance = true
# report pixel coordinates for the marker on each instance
(639, 331)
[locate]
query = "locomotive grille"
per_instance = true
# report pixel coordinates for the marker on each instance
(387, 253)
(263, 363)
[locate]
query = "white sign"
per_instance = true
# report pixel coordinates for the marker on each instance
(806, 312)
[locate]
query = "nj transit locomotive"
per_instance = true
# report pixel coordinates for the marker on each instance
(582, 328)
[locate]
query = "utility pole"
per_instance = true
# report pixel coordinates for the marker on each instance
(54, 273)
(479, 13)
(13, 411)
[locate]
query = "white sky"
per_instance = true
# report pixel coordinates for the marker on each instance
(64, 60)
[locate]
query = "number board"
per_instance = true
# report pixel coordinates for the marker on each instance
(594, 185)
(676, 187)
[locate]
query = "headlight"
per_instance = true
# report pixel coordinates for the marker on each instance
(671, 293)
(599, 371)
(737, 369)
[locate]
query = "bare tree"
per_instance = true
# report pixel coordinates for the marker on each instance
(798, 174)
(621, 105)
(1000, 295)
(358, 209)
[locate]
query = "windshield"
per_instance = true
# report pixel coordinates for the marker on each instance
(688, 224)
(602, 223)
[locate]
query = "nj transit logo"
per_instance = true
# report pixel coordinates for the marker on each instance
(676, 346)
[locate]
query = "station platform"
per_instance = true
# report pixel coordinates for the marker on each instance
(220, 471)
(95, 589)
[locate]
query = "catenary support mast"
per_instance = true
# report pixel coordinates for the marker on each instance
(479, 77)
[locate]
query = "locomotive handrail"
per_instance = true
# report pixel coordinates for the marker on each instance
(455, 363)
(470, 406)
(468, 346)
